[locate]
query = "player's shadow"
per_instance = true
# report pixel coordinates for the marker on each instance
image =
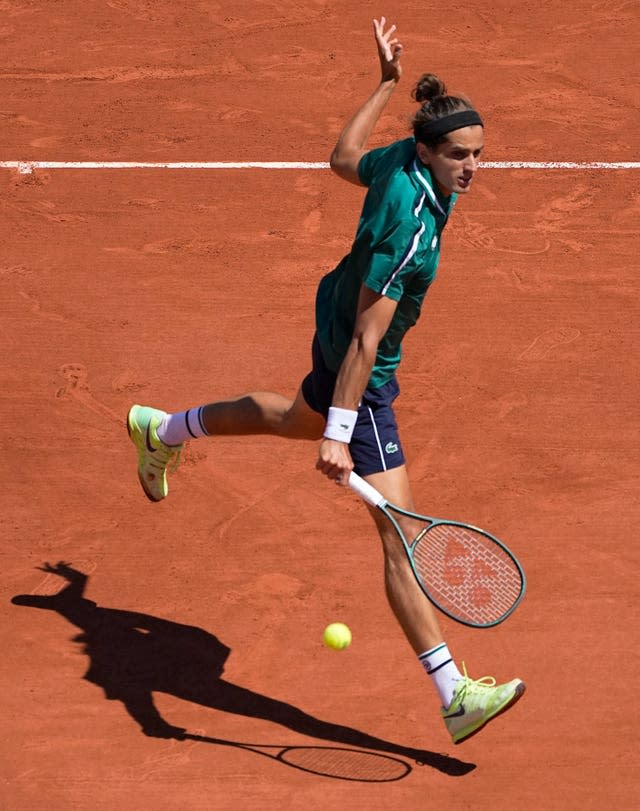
(132, 655)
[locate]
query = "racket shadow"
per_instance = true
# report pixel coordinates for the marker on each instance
(134, 655)
(340, 763)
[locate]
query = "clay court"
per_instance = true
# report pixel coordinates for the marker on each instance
(175, 286)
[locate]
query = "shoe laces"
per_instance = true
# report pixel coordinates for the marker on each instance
(474, 685)
(165, 456)
(173, 460)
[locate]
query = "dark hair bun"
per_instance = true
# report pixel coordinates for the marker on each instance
(428, 87)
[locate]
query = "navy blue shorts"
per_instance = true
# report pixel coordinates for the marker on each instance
(375, 444)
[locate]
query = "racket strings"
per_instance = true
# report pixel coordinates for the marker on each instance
(467, 572)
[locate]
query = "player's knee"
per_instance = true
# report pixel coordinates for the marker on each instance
(298, 424)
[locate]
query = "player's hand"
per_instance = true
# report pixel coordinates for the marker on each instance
(334, 460)
(389, 51)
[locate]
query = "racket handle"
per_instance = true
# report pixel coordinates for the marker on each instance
(366, 491)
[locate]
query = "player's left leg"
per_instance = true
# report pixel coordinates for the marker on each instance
(159, 436)
(263, 413)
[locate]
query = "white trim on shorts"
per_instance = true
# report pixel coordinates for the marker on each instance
(377, 436)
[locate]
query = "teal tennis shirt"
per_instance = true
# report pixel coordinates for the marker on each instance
(395, 253)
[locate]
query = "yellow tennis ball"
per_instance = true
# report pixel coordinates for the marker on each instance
(337, 636)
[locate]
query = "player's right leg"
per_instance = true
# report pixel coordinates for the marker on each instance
(467, 704)
(159, 436)
(414, 612)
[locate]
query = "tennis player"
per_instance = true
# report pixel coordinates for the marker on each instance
(364, 307)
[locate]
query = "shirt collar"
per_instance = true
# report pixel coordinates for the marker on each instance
(425, 178)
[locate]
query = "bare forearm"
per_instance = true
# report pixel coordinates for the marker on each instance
(353, 139)
(354, 375)
(358, 129)
(334, 459)
(374, 315)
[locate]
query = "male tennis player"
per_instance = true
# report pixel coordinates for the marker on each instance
(363, 309)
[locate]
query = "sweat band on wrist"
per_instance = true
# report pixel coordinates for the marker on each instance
(340, 424)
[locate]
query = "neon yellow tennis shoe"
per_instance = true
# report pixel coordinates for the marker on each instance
(477, 702)
(153, 454)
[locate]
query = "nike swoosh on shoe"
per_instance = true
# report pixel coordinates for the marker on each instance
(456, 714)
(147, 439)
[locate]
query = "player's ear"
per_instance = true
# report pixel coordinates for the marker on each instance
(424, 153)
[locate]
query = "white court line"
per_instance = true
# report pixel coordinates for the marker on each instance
(26, 167)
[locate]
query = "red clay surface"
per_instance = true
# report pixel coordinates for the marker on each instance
(519, 409)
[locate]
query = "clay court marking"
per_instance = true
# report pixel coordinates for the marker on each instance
(548, 341)
(77, 387)
(27, 167)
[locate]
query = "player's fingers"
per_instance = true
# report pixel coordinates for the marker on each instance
(327, 467)
(339, 473)
(333, 475)
(344, 470)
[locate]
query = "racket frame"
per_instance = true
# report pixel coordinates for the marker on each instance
(373, 497)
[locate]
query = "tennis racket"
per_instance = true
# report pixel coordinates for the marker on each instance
(465, 572)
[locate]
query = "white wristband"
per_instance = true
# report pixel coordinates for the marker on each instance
(340, 424)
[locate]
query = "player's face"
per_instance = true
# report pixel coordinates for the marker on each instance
(455, 162)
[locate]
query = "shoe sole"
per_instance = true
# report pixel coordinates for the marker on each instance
(519, 692)
(140, 479)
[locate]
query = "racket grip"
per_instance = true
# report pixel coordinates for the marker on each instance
(366, 491)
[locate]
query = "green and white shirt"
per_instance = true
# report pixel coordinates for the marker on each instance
(395, 253)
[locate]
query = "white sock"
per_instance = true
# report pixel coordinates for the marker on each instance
(177, 428)
(439, 665)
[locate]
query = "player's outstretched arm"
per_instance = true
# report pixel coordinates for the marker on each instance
(375, 313)
(351, 145)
